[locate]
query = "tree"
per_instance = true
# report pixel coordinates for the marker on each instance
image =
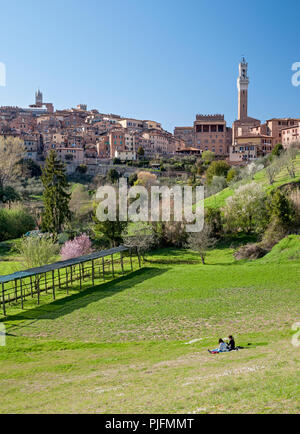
(29, 168)
(55, 197)
(141, 152)
(113, 176)
(217, 168)
(9, 195)
(11, 151)
(132, 179)
(246, 210)
(80, 246)
(140, 236)
(281, 209)
(109, 233)
(232, 175)
(146, 179)
(213, 218)
(202, 242)
(278, 149)
(81, 205)
(37, 251)
(81, 169)
(208, 157)
(287, 160)
(271, 172)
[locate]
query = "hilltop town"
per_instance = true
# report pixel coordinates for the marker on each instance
(83, 137)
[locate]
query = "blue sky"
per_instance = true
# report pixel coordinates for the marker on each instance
(164, 60)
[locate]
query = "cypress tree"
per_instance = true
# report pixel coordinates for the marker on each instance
(55, 197)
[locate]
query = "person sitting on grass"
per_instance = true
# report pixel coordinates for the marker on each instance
(222, 348)
(231, 345)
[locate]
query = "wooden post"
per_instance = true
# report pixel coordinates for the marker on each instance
(82, 271)
(112, 266)
(46, 286)
(3, 300)
(22, 302)
(80, 276)
(122, 263)
(31, 289)
(131, 260)
(59, 283)
(16, 290)
(37, 285)
(138, 253)
(93, 273)
(71, 274)
(53, 284)
(67, 284)
(103, 268)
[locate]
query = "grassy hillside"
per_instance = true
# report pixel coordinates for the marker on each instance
(139, 344)
(287, 250)
(218, 200)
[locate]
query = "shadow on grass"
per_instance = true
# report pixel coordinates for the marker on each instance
(69, 304)
(173, 261)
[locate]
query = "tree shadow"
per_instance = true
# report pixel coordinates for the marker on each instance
(69, 304)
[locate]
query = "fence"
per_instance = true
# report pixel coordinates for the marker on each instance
(48, 279)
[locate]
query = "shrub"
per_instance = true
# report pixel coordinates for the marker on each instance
(14, 223)
(250, 251)
(217, 168)
(37, 251)
(273, 235)
(218, 183)
(80, 246)
(232, 175)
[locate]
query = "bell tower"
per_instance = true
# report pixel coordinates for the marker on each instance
(38, 98)
(242, 84)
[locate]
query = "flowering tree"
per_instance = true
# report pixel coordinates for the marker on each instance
(80, 246)
(246, 211)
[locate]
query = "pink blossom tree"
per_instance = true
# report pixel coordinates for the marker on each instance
(80, 246)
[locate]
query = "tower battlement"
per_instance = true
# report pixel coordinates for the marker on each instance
(210, 118)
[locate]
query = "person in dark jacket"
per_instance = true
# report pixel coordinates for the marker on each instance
(231, 345)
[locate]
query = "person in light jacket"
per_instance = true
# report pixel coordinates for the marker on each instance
(222, 348)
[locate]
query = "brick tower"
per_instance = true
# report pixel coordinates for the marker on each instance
(39, 98)
(242, 84)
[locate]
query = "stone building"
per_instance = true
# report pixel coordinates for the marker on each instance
(291, 136)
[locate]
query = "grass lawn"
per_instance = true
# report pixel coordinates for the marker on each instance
(139, 344)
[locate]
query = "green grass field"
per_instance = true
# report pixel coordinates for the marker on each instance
(139, 344)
